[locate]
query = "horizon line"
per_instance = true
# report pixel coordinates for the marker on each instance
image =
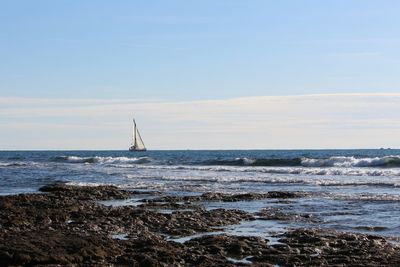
(195, 149)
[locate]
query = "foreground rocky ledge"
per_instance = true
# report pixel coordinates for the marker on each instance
(66, 225)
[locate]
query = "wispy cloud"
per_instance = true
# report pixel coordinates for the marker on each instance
(303, 121)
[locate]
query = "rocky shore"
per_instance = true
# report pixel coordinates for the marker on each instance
(67, 225)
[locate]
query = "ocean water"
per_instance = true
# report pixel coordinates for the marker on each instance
(349, 190)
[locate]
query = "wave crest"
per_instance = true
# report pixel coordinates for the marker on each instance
(347, 162)
(102, 160)
(12, 164)
(340, 162)
(321, 163)
(255, 162)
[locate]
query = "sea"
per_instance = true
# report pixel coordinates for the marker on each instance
(347, 190)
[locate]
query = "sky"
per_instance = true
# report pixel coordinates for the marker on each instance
(226, 74)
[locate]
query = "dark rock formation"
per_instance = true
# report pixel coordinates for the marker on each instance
(228, 197)
(67, 226)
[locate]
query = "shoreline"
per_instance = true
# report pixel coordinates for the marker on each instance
(69, 224)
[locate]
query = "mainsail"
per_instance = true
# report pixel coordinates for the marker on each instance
(137, 142)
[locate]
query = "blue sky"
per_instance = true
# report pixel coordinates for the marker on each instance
(72, 73)
(179, 50)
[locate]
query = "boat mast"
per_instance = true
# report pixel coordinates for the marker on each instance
(134, 133)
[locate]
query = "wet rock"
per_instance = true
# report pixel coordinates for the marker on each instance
(316, 247)
(103, 192)
(181, 223)
(169, 205)
(212, 196)
(67, 226)
(372, 228)
(222, 247)
(272, 213)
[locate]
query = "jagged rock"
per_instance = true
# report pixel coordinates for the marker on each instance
(67, 226)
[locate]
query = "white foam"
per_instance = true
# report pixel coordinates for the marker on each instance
(18, 164)
(366, 197)
(5, 164)
(246, 161)
(87, 184)
(330, 171)
(349, 162)
(107, 160)
(283, 176)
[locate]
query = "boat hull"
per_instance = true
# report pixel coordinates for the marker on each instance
(136, 149)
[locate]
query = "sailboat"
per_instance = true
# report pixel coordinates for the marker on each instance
(137, 142)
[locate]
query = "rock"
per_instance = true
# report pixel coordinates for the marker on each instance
(67, 226)
(212, 196)
(104, 192)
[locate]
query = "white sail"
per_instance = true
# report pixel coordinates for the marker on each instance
(137, 141)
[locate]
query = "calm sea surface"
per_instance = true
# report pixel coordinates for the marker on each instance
(350, 190)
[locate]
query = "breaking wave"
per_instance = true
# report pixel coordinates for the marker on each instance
(12, 164)
(102, 160)
(344, 162)
(234, 179)
(255, 162)
(87, 184)
(329, 171)
(320, 163)
(387, 161)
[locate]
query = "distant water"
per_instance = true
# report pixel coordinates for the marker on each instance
(353, 190)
